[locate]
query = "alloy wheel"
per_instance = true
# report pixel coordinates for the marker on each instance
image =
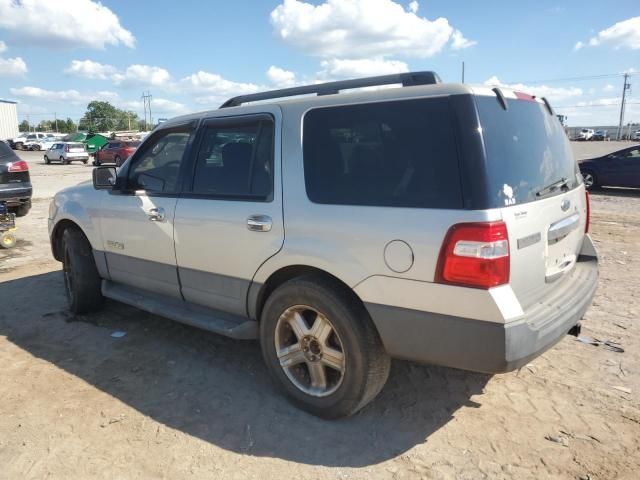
(310, 351)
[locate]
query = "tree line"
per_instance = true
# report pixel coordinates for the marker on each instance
(99, 117)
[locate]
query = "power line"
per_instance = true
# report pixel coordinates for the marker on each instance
(616, 104)
(572, 79)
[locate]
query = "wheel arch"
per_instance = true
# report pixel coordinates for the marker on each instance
(58, 232)
(259, 292)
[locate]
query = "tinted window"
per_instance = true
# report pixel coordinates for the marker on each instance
(527, 150)
(157, 168)
(236, 160)
(400, 154)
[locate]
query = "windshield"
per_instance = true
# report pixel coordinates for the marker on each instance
(527, 151)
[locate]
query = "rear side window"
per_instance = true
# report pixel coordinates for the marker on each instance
(396, 154)
(527, 150)
(5, 150)
(236, 159)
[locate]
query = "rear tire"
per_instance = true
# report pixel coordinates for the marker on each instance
(22, 209)
(64, 161)
(81, 280)
(332, 374)
(590, 180)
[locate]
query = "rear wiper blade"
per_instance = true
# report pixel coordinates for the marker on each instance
(562, 183)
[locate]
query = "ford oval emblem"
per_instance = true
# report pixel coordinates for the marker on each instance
(565, 205)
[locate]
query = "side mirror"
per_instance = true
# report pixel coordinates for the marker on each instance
(104, 178)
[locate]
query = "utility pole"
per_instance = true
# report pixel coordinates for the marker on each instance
(627, 86)
(55, 116)
(146, 104)
(463, 72)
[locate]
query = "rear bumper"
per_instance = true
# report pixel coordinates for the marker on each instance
(483, 346)
(14, 196)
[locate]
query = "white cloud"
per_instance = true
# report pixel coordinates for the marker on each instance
(143, 75)
(458, 42)
(360, 29)
(133, 75)
(79, 23)
(13, 66)
(624, 34)
(414, 6)
(67, 96)
(578, 46)
(608, 88)
(281, 78)
(336, 69)
(3, 47)
(553, 94)
(214, 89)
(90, 69)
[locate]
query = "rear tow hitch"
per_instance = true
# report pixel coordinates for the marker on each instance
(575, 330)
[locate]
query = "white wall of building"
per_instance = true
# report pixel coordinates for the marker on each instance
(8, 120)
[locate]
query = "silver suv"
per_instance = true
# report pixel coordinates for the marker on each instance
(438, 223)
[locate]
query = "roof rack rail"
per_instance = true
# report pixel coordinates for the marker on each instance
(408, 79)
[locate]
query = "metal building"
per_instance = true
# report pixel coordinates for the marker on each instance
(8, 119)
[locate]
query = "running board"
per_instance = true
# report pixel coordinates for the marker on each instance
(215, 321)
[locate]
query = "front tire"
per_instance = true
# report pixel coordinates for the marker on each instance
(321, 347)
(82, 283)
(590, 180)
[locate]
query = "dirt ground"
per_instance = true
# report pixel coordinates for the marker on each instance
(170, 401)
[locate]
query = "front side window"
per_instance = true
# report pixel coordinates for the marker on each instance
(236, 160)
(157, 168)
(396, 154)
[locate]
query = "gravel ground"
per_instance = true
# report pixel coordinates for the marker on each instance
(170, 401)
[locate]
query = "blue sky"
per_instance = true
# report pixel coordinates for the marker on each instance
(191, 55)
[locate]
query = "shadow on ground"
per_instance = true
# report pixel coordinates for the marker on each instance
(218, 389)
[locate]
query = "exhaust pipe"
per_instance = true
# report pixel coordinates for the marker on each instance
(575, 330)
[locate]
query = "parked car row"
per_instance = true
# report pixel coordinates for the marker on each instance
(34, 141)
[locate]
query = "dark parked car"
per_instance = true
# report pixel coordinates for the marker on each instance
(116, 151)
(617, 169)
(600, 135)
(15, 183)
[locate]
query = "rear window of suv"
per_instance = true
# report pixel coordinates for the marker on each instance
(396, 154)
(526, 149)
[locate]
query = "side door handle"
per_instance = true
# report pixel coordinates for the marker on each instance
(259, 223)
(156, 214)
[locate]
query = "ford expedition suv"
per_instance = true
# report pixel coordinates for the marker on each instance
(439, 223)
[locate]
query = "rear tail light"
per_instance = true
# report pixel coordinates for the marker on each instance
(19, 166)
(475, 255)
(586, 225)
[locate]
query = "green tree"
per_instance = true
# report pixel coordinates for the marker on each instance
(104, 117)
(24, 126)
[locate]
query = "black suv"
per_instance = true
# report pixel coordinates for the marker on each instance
(15, 183)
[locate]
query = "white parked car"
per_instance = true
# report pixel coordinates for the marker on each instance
(585, 134)
(67, 152)
(636, 135)
(22, 141)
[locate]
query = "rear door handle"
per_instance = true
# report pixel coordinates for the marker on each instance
(259, 223)
(156, 214)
